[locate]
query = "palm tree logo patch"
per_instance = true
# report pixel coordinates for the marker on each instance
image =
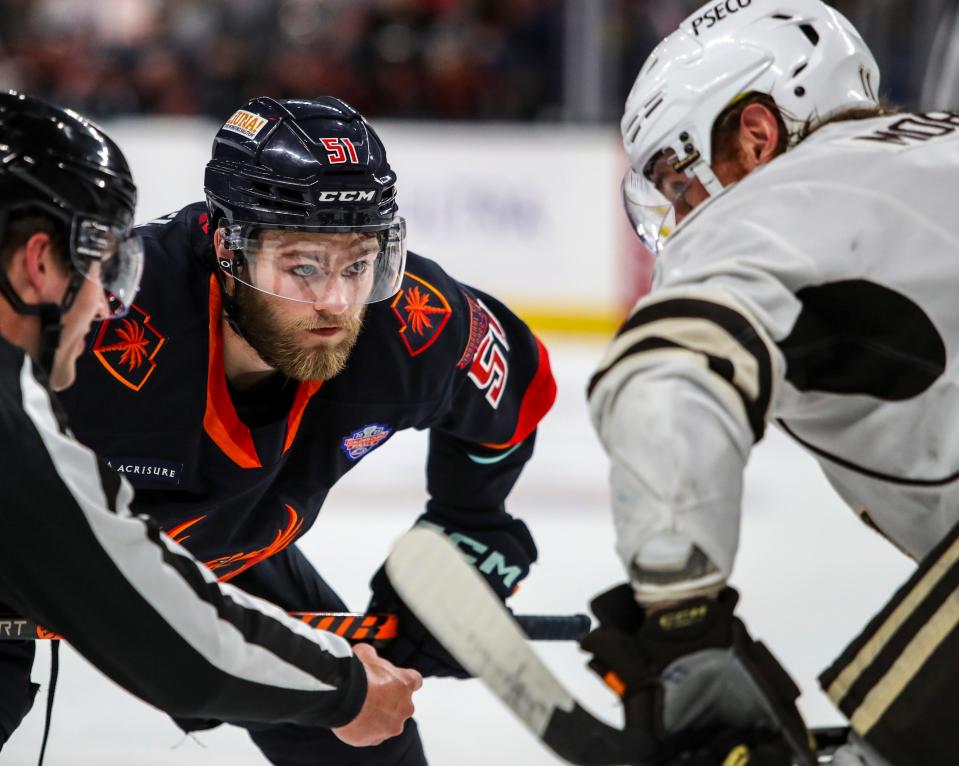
(127, 348)
(423, 312)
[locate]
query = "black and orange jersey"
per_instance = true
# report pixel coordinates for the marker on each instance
(74, 558)
(153, 399)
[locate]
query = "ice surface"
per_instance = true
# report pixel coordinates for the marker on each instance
(810, 575)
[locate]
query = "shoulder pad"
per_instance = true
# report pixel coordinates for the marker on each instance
(426, 305)
(194, 220)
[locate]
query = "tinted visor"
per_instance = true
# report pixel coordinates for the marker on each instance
(334, 267)
(110, 256)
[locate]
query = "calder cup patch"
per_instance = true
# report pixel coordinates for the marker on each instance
(245, 123)
(364, 440)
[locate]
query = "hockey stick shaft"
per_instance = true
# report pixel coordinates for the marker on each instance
(465, 615)
(458, 607)
(350, 625)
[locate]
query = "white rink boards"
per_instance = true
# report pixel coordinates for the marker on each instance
(810, 575)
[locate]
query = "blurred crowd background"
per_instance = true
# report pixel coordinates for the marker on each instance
(513, 60)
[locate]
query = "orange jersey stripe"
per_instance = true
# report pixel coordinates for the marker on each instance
(220, 420)
(304, 393)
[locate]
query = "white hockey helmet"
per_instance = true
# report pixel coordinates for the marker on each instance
(803, 54)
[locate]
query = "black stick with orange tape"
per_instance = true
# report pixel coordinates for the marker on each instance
(351, 626)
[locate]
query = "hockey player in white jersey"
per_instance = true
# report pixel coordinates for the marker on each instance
(806, 276)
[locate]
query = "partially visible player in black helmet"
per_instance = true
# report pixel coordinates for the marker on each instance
(284, 333)
(60, 173)
(72, 555)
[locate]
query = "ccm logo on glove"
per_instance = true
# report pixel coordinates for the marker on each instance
(487, 561)
(682, 618)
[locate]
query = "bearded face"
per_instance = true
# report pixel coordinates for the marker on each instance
(301, 342)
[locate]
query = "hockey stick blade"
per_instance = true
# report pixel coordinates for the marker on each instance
(467, 617)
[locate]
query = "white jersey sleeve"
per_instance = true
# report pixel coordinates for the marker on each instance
(678, 400)
(810, 294)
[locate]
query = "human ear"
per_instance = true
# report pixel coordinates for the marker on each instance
(759, 135)
(44, 273)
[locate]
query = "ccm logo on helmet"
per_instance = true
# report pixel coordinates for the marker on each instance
(719, 12)
(346, 196)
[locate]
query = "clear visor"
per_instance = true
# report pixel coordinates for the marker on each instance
(111, 257)
(658, 199)
(327, 266)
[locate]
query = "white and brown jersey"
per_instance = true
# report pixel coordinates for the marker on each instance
(818, 293)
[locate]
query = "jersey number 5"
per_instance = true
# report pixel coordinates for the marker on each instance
(337, 150)
(490, 367)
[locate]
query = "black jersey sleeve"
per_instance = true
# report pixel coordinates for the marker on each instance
(502, 387)
(139, 607)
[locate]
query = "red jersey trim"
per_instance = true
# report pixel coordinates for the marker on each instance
(537, 401)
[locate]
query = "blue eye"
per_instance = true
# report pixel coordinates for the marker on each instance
(357, 268)
(304, 270)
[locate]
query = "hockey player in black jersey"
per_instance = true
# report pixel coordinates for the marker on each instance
(281, 334)
(72, 555)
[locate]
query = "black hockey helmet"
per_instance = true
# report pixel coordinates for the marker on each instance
(56, 158)
(299, 163)
(311, 166)
(54, 161)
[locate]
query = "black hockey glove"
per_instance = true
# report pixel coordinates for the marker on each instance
(691, 677)
(501, 548)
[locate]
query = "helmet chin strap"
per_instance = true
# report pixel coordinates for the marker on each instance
(51, 328)
(50, 315)
(231, 310)
(707, 177)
